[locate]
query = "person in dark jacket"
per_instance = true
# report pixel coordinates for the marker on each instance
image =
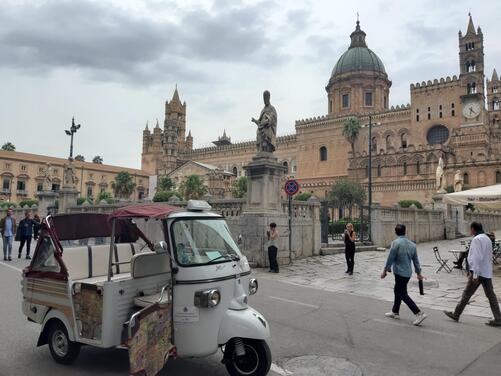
(25, 229)
(349, 248)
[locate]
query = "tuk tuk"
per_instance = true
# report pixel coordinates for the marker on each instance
(158, 280)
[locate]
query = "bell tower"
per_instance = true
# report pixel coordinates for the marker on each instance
(471, 63)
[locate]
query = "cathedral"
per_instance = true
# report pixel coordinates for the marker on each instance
(456, 118)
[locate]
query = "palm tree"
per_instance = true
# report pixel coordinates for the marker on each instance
(97, 159)
(80, 158)
(351, 128)
(8, 146)
(123, 186)
(192, 188)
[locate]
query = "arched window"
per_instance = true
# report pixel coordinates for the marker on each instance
(438, 134)
(403, 140)
(495, 104)
(494, 89)
(366, 170)
(471, 88)
(418, 167)
(470, 66)
(235, 171)
(323, 153)
(374, 144)
(388, 142)
(498, 177)
(466, 178)
(286, 165)
(405, 168)
(379, 169)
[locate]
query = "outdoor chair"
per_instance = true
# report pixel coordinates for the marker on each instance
(442, 262)
(496, 253)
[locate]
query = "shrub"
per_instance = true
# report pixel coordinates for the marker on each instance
(164, 196)
(408, 203)
(28, 201)
(104, 196)
(81, 200)
(7, 204)
(304, 196)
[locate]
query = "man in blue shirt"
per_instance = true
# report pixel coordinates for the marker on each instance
(402, 255)
(7, 229)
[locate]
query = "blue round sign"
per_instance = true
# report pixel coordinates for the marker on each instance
(291, 187)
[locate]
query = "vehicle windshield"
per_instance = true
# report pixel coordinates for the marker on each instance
(203, 241)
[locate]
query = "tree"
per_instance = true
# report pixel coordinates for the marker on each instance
(103, 195)
(80, 158)
(165, 184)
(345, 193)
(351, 128)
(123, 186)
(8, 146)
(164, 196)
(239, 189)
(97, 159)
(304, 196)
(192, 188)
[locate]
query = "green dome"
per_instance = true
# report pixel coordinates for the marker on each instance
(358, 58)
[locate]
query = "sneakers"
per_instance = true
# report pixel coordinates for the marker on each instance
(452, 315)
(28, 257)
(392, 315)
(10, 258)
(419, 318)
(494, 323)
(18, 255)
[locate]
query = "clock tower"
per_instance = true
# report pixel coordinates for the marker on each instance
(471, 62)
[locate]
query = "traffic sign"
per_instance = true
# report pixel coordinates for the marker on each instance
(291, 187)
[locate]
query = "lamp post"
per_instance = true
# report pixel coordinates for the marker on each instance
(369, 185)
(73, 129)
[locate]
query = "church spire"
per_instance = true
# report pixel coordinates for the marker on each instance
(175, 96)
(494, 75)
(146, 128)
(471, 27)
(157, 125)
(358, 36)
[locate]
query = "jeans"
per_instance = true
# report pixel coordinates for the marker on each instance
(400, 291)
(471, 288)
(349, 254)
(24, 240)
(272, 255)
(7, 246)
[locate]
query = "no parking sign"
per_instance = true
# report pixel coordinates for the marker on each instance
(291, 187)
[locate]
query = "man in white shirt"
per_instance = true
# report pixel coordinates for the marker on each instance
(480, 264)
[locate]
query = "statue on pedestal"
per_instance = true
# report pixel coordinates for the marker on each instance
(458, 181)
(69, 178)
(47, 178)
(266, 126)
(441, 182)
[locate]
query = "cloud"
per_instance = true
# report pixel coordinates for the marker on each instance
(105, 42)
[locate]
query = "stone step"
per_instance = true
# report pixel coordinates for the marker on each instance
(336, 250)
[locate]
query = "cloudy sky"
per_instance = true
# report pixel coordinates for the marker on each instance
(113, 63)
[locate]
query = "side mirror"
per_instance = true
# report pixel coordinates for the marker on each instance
(161, 247)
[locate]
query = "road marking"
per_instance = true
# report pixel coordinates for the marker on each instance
(420, 328)
(294, 302)
(11, 267)
(279, 370)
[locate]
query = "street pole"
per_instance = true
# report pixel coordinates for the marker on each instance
(290, 229)
(70, 132)
(369, 185)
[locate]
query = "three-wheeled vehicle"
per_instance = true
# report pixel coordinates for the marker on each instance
(169, 282)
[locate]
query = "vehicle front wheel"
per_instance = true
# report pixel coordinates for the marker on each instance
(62, 349)
(255, 362)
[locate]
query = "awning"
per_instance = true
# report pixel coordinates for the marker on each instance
(484, 198)
(146, 210)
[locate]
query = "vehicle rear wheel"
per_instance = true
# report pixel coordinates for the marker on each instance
(255, 362)
(62, 349)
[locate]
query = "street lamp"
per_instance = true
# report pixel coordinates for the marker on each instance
(369, 185)
(73, 129)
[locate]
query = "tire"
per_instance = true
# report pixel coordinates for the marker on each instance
(255, 362)
(61, 348)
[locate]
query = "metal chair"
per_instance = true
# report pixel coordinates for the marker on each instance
(442, 262)
(496, 253)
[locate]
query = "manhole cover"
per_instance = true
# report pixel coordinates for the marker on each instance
(312, 365)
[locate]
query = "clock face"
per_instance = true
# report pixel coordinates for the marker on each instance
(471, 109)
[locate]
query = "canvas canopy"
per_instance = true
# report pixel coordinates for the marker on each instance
(146, 210)
(484, 198)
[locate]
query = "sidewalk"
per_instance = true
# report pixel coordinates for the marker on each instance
(442, 290)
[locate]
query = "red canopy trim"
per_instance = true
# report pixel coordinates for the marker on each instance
(146, 210)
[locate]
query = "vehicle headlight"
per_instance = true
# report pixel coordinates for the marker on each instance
(207, 298)
(253, 286)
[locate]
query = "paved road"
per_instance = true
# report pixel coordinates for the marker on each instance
(304, 321)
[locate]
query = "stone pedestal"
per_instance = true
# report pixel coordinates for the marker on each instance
(67, 198)
(264, 206)
(46, 200)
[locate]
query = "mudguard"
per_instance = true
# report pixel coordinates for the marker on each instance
(55, 314)
(246, 323)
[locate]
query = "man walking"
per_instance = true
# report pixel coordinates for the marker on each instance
(402, 254)
(7, 229)
(26, 226)
(273, 247)
(480, 273)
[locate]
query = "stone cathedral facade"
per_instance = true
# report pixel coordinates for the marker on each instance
(456, 117)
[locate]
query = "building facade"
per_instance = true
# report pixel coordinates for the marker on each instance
(456, 118)
(22, 176)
